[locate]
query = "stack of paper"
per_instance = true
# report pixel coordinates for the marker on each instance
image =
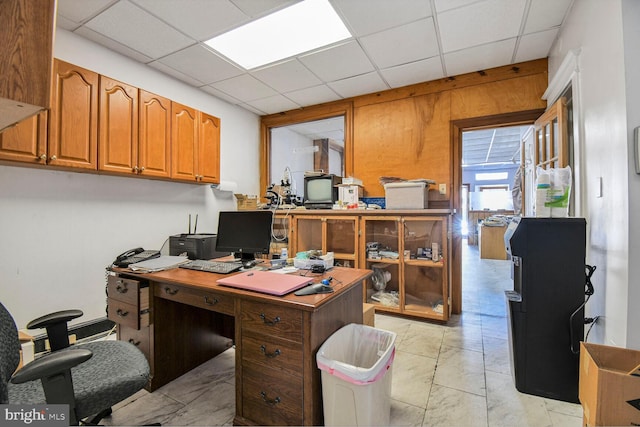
(164, 262)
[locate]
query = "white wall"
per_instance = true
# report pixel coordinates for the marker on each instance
(61, 229)
(596, 28)
(284, 142)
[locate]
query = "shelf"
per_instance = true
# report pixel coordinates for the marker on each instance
(424, 263)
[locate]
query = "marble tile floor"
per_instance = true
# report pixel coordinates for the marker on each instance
(456, 374)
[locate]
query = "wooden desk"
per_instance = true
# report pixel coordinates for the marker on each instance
(192, 319)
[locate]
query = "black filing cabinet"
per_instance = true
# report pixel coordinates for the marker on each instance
(545, 308)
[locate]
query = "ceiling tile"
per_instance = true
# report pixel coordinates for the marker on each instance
(479, 23)
(244, 87)
(287, 76)
(259, 8)
(252, 109)
(66, 23)
(273, 104)
(201, 64)
(89, 34)
(479, 58)
(313, 95)
(544, 14)
(338, 62)
(401, 45)
(364, 17)
(200, 19)
(442, 5)
(175, 73)
(366, 83)
(415, 72)
(133, 27)
(79, 11)
(219, 94)
(537, 45)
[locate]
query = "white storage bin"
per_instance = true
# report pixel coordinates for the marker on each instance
(406, 195)
(355, 364)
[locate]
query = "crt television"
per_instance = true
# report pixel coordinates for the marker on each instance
(244, 233)
(321, 191)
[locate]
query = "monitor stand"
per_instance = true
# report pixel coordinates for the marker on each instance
(248, 260)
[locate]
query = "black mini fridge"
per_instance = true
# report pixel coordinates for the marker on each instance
(545, 308)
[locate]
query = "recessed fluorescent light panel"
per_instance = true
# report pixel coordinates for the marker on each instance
(305, 26)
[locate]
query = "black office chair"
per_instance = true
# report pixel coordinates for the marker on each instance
(89, 377)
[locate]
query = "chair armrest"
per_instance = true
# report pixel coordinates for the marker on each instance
(56, 324)
(51, 364)
(54, 318)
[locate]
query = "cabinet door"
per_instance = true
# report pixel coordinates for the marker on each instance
(382, 256)
(184, 142)
(341, 238)
(118, 139)
(426, 291)
(308, 231)
(73, 128)
(27, 141)
(209, 149)
(154, 150)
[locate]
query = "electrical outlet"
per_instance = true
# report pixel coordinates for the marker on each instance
(443, 189)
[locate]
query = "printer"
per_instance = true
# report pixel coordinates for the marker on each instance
(196, 246)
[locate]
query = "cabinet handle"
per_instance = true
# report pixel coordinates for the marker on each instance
(170, 291)
(263, 350)
(269, 322)
(270, 402)
(121, 289)
(136, 343)
(135, 169)
(210, 301)
(43, 157)
(121, 313)
(53, 157)
(141, 169)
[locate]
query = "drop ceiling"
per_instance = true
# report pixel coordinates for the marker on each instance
(395, 43)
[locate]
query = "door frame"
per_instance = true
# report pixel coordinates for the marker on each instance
(457, 127)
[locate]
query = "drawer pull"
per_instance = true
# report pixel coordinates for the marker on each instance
(210, 301)
(121, 313)
(121, 289)
(270, 402)
(276, 353)
(132, 341)
(170, 291)
(269, 322)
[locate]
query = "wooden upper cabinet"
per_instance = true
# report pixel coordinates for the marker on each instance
(27, 141)
(154, 150)
(209, 149)
(25, 58)
(184, 142)
(73, 126)
(118, 138)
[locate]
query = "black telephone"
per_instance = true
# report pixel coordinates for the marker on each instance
(134, 255)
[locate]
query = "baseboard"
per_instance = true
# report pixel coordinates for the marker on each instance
(92, 328)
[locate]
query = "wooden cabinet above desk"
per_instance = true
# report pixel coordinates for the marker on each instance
(192, 319)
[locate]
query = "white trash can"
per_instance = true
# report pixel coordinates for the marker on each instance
(355, 364)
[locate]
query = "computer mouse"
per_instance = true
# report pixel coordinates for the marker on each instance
(248, 263)
(316, 288)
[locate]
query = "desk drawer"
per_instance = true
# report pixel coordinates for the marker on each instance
(270, 398)
(197, 298)
(126, 314)
(267, 319)
(137, 337)
(125, 290)
(272, 353)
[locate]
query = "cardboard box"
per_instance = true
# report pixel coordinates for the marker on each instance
(406, 195)
(349, 194)
(246, 203)
(608, 392)
(368, 314)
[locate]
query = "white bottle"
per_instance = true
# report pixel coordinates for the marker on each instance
(283, 253)
(542, 192)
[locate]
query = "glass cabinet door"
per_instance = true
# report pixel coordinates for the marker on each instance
(342, 239)
(382, 256)
(280, 234)
(425, 253)
(309, 234)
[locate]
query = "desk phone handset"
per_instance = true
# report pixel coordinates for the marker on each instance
(134, 255)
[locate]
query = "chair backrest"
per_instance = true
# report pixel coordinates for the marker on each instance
(9, 351)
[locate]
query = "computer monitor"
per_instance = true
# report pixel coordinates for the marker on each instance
(244, 233)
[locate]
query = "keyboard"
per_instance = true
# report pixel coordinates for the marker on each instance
(219, 267)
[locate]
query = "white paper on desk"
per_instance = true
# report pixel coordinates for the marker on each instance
(163, 262)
